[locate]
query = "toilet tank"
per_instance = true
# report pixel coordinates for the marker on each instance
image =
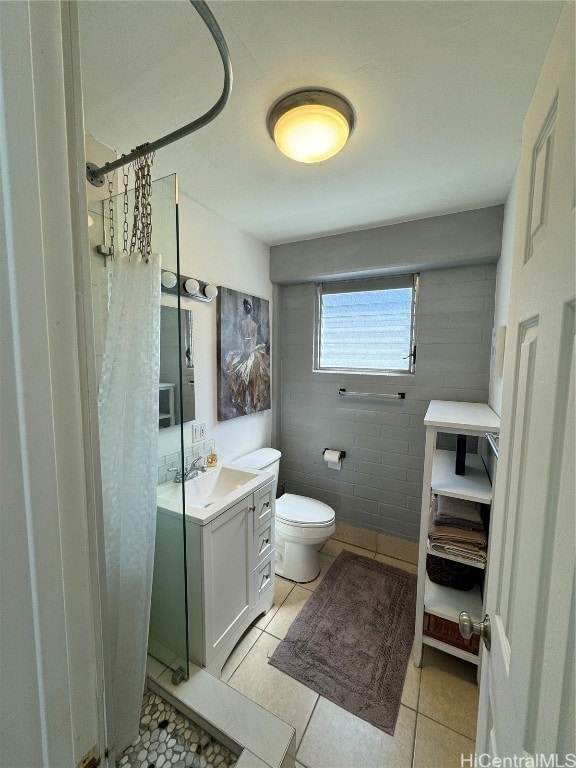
(267, 459)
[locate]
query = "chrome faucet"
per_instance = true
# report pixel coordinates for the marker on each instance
(199, 467)
(190, 471)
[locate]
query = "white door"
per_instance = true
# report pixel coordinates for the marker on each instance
(528, 677)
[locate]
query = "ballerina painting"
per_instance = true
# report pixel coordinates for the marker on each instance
(243, 354)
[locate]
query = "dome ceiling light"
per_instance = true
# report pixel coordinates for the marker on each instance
(311, 125)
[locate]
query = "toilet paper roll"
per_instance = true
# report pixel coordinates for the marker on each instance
(332, 458)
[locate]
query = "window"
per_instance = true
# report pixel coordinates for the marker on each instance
(366, 326)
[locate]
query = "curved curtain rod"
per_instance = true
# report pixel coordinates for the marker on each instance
(96, 175)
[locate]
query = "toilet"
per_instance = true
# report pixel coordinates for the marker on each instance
(303, 525)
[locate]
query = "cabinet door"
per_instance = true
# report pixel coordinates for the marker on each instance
(228, 580)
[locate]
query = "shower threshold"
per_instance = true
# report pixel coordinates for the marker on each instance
(245, 728)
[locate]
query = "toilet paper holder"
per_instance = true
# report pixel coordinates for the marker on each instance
(341, 454)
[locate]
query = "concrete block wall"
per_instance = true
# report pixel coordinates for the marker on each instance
(380, 484)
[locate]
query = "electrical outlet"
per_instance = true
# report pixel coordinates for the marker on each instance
(199, 431)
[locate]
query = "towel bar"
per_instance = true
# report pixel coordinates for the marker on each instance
(493, 443)
(398, 396)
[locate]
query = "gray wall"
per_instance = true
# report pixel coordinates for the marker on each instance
(453, 240)
(379, 486)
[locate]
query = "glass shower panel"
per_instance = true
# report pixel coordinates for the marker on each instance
(167, 637)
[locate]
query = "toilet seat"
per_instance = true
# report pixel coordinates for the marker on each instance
(301, 512)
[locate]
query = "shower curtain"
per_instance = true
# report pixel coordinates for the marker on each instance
(128, 419)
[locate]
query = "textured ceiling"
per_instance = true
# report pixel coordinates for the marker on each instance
(439, 89)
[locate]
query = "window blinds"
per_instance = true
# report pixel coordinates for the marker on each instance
(366, 324)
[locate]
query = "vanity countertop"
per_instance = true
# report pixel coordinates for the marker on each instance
(210, 493)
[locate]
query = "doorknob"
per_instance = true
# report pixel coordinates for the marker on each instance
(468, 627)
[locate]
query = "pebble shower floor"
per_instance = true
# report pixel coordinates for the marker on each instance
(169, 740)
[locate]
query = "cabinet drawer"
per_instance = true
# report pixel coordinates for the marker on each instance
(263, 503)
(264, 573)
(264, 541)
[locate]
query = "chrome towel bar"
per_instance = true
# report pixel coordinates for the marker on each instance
(398, 396)
(493, 443)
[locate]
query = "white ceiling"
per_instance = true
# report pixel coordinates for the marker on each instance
(439, 88)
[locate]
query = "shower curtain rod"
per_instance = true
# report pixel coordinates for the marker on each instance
(96, 175)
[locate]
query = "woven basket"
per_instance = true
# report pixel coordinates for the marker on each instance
(449, 573)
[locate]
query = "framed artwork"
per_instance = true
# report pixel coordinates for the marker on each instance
(243, 354)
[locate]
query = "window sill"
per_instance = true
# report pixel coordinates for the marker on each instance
(367, 372)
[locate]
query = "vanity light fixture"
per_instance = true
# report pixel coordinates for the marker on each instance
(198, 290)
(191, 286)
(168, 279)
(188, 287)
(210, 291)
(311, 125)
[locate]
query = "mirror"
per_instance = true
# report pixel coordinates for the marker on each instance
(177, 401)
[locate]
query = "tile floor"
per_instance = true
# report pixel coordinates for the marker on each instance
(169, 740)
(437, 719)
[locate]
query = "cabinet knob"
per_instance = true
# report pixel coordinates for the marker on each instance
(267, 504)
(252, 509)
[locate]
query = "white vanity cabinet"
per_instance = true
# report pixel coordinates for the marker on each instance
(438, 607)
(230, 575)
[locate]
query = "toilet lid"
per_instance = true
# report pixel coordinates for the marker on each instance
(303, 511)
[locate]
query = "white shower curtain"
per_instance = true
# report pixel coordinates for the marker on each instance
(128, 418)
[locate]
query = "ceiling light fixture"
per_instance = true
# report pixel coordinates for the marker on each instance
(311, 125)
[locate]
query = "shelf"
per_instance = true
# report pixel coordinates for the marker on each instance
(461, 417)
(447, 602)
(455, 558)
(473, 486)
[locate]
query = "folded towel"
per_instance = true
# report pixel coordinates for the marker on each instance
(460, 552)
(450, 535)
(459, 513)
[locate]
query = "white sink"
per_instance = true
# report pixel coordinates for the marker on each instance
(209, 487)
(213, 488)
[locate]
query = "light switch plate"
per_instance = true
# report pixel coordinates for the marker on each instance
(199, 431)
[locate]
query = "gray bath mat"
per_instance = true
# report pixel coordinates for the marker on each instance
(352, 639)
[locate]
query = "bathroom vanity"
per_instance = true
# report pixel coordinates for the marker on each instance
(229, 557)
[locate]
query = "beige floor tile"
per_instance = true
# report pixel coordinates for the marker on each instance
(352, 534)
(250, 760)
(410, 567)
(438, 747)
(411, 688)
(238, 654)
(333, 548)
(337, 739)
(325, 563)
(282, 589)
(275, 691)
(398, 548)
(288, 611)
(449, 692)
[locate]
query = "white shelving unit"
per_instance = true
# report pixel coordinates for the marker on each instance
(433, 600)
